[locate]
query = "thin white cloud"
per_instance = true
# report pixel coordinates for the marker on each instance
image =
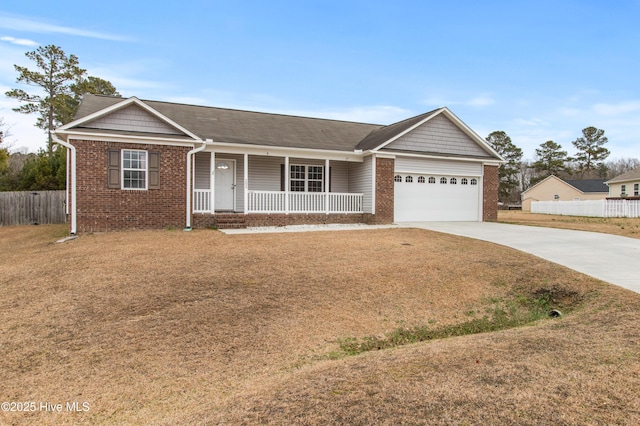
(617, 108)
(480, 101)
(20, 41)
(34, 26)
(476, 101)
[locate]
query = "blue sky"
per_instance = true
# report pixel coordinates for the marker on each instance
(539, 70)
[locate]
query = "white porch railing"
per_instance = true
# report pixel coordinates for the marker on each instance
(201, 200)
(304, 202)
(299, 202)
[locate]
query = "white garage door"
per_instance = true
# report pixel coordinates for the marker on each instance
(423, 197)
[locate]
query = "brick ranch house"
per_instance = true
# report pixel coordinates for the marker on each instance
(137, 164)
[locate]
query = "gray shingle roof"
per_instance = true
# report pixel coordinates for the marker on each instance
(589, 185)
(265, 129)
(247, 127)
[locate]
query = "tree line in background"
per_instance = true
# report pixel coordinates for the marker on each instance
(517, 175)
(62, 83)
(59, 84)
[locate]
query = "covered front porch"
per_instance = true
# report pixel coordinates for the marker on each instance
(228, 182)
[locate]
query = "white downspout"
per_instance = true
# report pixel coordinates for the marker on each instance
(189, 154)
(72, 151)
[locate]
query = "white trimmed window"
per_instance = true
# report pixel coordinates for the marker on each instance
(408, 179)
(432, 179)
(443, 180)
(464, 181)
(397, 178)
(474, 181)
(134, 169)
(306, 178)
(453, 181)
(636, 189)
(421, 179)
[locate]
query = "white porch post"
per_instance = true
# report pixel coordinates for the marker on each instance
(287, 174)
(326, 185)
(246, 183)
(212, 183)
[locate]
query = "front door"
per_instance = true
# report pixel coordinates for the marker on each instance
(225, 184)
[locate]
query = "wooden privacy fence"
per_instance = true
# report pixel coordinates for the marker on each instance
(593, 208)
(32, 207)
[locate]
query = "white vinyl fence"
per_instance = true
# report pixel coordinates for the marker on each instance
(592, 208)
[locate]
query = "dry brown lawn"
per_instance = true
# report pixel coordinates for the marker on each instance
(626, 227)
(170, 327)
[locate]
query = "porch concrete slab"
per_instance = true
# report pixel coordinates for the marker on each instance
(610, 258)
(305, 228)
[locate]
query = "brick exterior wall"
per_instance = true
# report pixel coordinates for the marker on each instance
(104, 209)
(385, 168)
(490, 194)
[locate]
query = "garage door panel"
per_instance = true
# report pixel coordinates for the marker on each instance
(414, 201)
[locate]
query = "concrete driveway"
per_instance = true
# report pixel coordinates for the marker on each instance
(610, 258)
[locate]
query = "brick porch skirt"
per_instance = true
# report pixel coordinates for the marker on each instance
(240, 220)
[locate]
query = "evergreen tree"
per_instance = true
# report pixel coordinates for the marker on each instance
(550, 160)
(591, 151)
(56, 72)
(509, 171)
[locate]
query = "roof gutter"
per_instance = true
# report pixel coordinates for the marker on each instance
(189, 155)
(72, 171)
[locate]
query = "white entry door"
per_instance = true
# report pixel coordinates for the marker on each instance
(225, 184)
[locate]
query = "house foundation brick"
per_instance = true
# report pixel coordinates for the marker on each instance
(252, 220)
(490, 194)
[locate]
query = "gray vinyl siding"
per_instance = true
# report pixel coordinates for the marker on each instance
(438, 135)
(132, 119)
(360, 175)
(264, 173)
(437, 167)
(339, 176)
(202, 170)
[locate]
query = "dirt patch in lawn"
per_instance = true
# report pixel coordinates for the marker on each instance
(623, 226)
(201, 327)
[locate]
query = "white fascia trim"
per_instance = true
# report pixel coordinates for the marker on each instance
(123, 104)
(276, 151)
(106, 137)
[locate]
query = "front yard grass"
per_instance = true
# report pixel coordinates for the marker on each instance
(166, 327)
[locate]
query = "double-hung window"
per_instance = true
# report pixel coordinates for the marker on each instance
(306, 178)
(134, 169)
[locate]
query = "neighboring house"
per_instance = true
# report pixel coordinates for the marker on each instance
(148, 164)
(627, 185)
(555, 189)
